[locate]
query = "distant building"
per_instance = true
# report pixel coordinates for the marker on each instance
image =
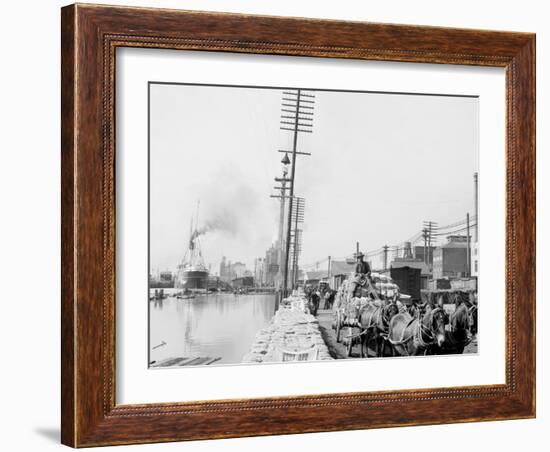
(229, 271)
(225, 269)
(312, 277)
(464, 284)
(243, 281)
(259, 271)
(439, 284)
(418, 253)
(165, 280)
(451, 260)
(238, 270)
(271, 265)
(166, 277)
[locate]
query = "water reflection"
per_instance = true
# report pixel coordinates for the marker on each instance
(220, 325)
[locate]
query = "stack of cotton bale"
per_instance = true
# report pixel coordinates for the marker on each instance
(290, 330)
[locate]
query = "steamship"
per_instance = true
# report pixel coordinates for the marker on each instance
(192, 273)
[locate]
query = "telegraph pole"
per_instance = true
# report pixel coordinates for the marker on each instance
(328, 267)
(296, 117)
(428, 230)
(284, 181)
(291, 195)
(425, 237)
(385, 248)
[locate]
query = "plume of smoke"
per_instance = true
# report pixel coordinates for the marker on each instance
(226, 206)
(235, 214)
(225, 221)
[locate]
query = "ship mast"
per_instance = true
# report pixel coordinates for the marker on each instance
(197, 217)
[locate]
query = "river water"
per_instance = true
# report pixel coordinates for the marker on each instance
(219, 325)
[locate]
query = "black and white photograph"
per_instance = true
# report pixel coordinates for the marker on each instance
(308, 224)
(275, 225)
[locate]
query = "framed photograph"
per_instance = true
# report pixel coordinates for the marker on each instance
(280, 225)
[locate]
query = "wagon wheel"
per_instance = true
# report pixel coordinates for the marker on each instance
(349, 345)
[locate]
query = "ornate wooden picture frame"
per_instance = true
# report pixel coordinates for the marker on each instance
(90, 37)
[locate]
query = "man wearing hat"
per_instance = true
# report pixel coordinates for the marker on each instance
(362, 272)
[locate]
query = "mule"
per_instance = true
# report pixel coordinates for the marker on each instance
(374, 321)
(458, 336)
(412, 336)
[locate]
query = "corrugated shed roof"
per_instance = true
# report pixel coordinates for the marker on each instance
(316, 274)
(341, 268)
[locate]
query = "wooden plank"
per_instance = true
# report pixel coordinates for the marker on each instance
(185, 361)
(211, 361)
(169, 362)
(199, 361)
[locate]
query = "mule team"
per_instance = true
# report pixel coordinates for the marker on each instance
(390, 327)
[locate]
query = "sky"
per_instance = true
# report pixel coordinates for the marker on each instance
(380, 165)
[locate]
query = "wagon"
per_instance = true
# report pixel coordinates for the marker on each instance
(346, 322)
(382, 285)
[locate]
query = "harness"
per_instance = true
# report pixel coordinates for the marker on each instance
(417, 335)
(376, 321)
(385, 322)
